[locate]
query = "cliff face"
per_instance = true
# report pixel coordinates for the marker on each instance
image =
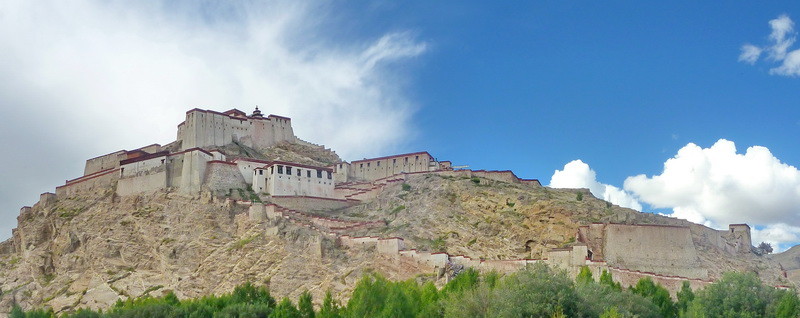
(92, 249)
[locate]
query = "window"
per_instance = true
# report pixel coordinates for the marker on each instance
(394, 161)
(379, 163)
(299, 172)
(405, 160)
(261, 172)
(329, 175)
(280, 169)
(416, 158)
(272, 170)
(319, 173)
(289, 170)
(368, 164)
(308, 173)
(361, 166)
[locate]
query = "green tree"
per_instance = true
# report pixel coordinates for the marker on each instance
(536, 291)
(305, 305)
(285, 309)
(611, 313)
(474, 303)
(685, 297)
(585, 275)
(657, 294)
(597, 298)
(734, 295)
(788, 306)
(330, 307)
(607, 279)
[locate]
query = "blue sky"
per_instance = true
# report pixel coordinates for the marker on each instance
(528, 88)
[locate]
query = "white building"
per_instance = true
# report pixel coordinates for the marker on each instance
(293, 179)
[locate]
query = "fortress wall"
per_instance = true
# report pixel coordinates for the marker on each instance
(340, 172)
(143, 167)
(154, 181)
(193, 170)
(377, 168)
(247, 169)
(104, 162)
(667, 250)
(504, 176)
(98, 180)
(391, 246)
(222, 176)
(628, 278)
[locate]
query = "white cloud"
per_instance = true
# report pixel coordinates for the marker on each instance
(781, 38)
(82, 78)
(778, 235)
(577, 174)
(781, 27)
(750, 54)
(718, 186)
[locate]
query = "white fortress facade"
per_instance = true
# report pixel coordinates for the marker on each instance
(195, 162)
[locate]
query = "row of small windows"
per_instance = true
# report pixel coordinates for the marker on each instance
(288, 171)
(394, 162)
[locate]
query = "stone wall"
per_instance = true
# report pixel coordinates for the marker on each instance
(155, 180)
(221, 176)
(91, 182)
(667, 250)
(104, 162)
(377, 168)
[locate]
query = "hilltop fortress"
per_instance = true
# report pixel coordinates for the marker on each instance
(218, 153)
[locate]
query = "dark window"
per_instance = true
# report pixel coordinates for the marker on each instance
(379, 163)
(308, 173)
(261, 172)
(394, 161)
(405, 160)
(416, 158)
(299, 172)
(280, 169)
(368, 164)
(289, 170)
(361, 165)
(329, 175)
(272, 170)
(319, 173)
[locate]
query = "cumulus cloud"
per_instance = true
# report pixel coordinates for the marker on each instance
(577, 174)
(719, 186)
(83, 78)
(781, 39)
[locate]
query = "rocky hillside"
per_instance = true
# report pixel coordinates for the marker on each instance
(93, 249)
(495, 220)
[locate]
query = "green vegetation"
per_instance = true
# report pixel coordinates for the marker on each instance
(537, 291)
(475, 180)
(406, 187)
(397, 209)
(579, 196)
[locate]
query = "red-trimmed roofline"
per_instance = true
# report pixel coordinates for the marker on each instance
(394, 156)
(192, 149)
(84, 178)
(656, 225)
(110, 153)
(295, 165)
(739, 224)
(145, 157)
(279, 117)
(222, 162)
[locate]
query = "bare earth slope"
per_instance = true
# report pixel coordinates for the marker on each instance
(93, 249)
